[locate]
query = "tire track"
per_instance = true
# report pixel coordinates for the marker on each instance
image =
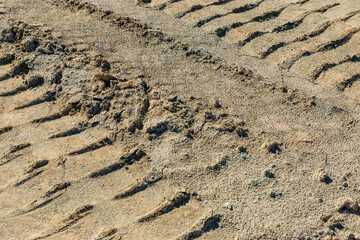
(322, 48)
(237, 10)
(221, 32)
(177, 200)
(348, 82)
(205, 225)
(146, 182)
(197, 7)
(67, 223)
(11, 153)
(283, 28)
(133, 156)
(327, 66)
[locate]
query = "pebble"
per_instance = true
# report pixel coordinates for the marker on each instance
(229, 206)
(269, 174)
(217, 104)
(242, 149)
(99, 45)
(243, 156)
(29, 44)
(275, 194)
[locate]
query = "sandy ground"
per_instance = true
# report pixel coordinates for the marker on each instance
(187, 119)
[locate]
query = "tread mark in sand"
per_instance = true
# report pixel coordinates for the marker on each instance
(6, 129)
(326, 66)
(46, 97)
(205, 225)
(28, 178)
(242, 9)
(141, 185)
(134, 155)
(11, 156)
(321, 29)
(283, 28)
(70, 221)
(49, 118)
(348, 83)
(197, 7)
(55, 189)
(92, 147)
(222, 31)
(177, 200)
(40, 205)
(18, 69)
(67, 133)
(323, 48)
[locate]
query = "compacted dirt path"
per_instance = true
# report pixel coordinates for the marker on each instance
(179, 119)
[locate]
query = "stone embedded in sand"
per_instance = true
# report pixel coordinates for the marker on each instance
(217, 103)
(271, 147)
(348, 205)
(241, 132)
(323, 176)
(229, 206)
(6, 58)
(34, 81)
(92, 107)
(104, 77)
(269, 174)
(29, 44)
(275, 194)
(242, 149)
(7, 35)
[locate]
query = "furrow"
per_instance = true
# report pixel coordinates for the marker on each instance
(325, 67)
(318, 31)
(144, 183)
(92, 147)
(203, 226)
(283, 28)
(177, 200)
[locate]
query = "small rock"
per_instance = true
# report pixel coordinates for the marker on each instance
(273, 147)
(6, 58)
(217, 104)
(350, 237)
(29, 44)
(8, 36)
(38, 164)
(99, 45)
(229, 206)
(104, 77)
(242, 132)
(269, 174)
(34, 81)
(92, 107)
(323, 176)
(209, 115)
(325, 218)
(242, 149)
(276, 194)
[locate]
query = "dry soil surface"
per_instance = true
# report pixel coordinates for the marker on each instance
(179, 119)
